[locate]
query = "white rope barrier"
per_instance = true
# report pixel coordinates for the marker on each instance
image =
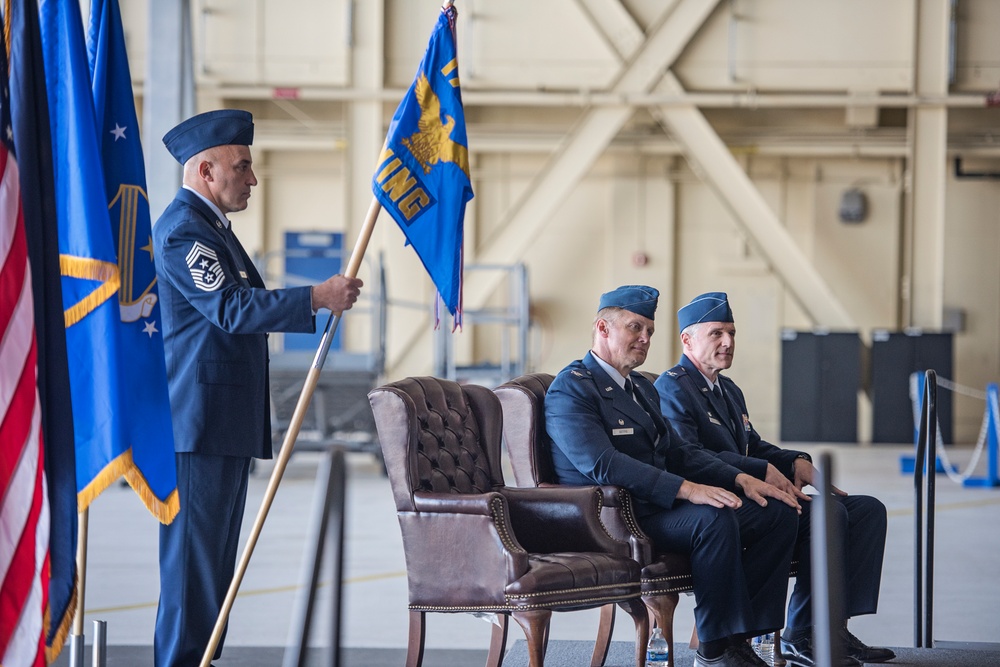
(940, 450)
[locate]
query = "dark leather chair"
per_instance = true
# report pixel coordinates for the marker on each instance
(664, 575)
(475, 545)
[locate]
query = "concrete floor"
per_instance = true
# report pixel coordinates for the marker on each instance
(122, 582)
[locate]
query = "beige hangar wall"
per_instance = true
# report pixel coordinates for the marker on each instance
(580, 117)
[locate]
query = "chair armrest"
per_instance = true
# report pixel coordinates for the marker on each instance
(455, 503)
(453, 530)
(619, 520)
(561, 518)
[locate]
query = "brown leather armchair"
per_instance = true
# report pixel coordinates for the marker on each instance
(664, 575)
(475, 545)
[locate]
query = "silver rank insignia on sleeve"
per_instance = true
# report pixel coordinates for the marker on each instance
(206, 271)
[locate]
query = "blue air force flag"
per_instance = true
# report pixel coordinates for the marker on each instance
(422, 176)
(149, 436)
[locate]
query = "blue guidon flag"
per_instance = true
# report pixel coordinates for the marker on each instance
(422, 176)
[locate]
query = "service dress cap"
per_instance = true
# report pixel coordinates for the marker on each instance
(707, 307)
(222, 127)
(638, 299)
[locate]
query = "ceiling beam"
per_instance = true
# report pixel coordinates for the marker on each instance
(711, 159)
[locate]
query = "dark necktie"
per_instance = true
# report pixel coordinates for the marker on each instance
(717, 390)
(629, 389)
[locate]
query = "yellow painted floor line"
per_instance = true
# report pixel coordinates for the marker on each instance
(257, 591)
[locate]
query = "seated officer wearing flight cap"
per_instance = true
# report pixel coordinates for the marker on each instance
(606, 428)
(216, 316)
(704, 406)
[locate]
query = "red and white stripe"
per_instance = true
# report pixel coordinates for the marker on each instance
(24, 510)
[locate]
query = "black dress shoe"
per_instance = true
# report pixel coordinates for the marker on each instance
(739, 655)
(800, 653)
(863, 652)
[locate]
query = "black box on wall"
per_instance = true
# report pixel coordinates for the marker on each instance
(895, 356)
(820, 378)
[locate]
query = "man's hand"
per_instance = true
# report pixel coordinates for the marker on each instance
(702, 494)
(759, 491)
(804, 475)
(776, 479)
(337, 293)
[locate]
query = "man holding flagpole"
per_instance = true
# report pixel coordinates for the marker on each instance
(216, 316)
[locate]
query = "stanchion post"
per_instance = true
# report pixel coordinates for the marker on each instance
(993, 441)
(328, 513)
(99, 653)
(931, 428)
(923, 564)
(338, 519)
(828, 571)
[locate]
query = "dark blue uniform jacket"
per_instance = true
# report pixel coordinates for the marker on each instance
(600, 435)
(216, 315)
(723, 426)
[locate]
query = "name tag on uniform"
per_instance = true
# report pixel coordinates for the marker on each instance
(243, 275)
(623, 431)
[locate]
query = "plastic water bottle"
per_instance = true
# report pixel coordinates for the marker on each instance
(764, 647)
(657, 651)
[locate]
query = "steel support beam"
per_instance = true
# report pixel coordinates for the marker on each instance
(644, 67)
(929, 167)
(168, 95)
(716, 165)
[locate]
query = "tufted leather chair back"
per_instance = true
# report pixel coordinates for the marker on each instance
(443, 438)
(528, 445)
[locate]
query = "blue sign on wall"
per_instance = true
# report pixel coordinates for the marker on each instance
(310, 258)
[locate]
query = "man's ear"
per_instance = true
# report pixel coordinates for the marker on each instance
(603, 327)
(685, 339)
(205, 170)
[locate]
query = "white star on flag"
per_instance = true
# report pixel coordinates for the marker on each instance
(150, 328)
(119, 132)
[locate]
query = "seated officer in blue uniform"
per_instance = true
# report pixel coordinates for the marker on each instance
(216, 316)
(706, 406)
(606, 428)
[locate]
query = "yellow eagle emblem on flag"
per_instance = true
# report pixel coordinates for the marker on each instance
(432, 143)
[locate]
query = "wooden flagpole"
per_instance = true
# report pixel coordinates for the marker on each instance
(290, 436)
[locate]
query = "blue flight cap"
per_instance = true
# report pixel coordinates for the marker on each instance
(222, 127)
(707, 307)
(638, 299)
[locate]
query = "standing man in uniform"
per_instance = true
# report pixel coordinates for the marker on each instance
(216, 316)
(704, 406)
(606, 428)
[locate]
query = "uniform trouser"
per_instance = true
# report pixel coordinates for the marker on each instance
(198, 556)
(862, 522)
(740, 561)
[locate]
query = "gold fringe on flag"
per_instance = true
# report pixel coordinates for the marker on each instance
(123, 465)
(53, 649)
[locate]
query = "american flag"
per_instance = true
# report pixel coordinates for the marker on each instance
(24, 509)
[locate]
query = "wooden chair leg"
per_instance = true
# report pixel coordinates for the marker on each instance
(603, 642)
(535, 624)
(415, 641)
(662, 608)
(498, 641)
(637, 610)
